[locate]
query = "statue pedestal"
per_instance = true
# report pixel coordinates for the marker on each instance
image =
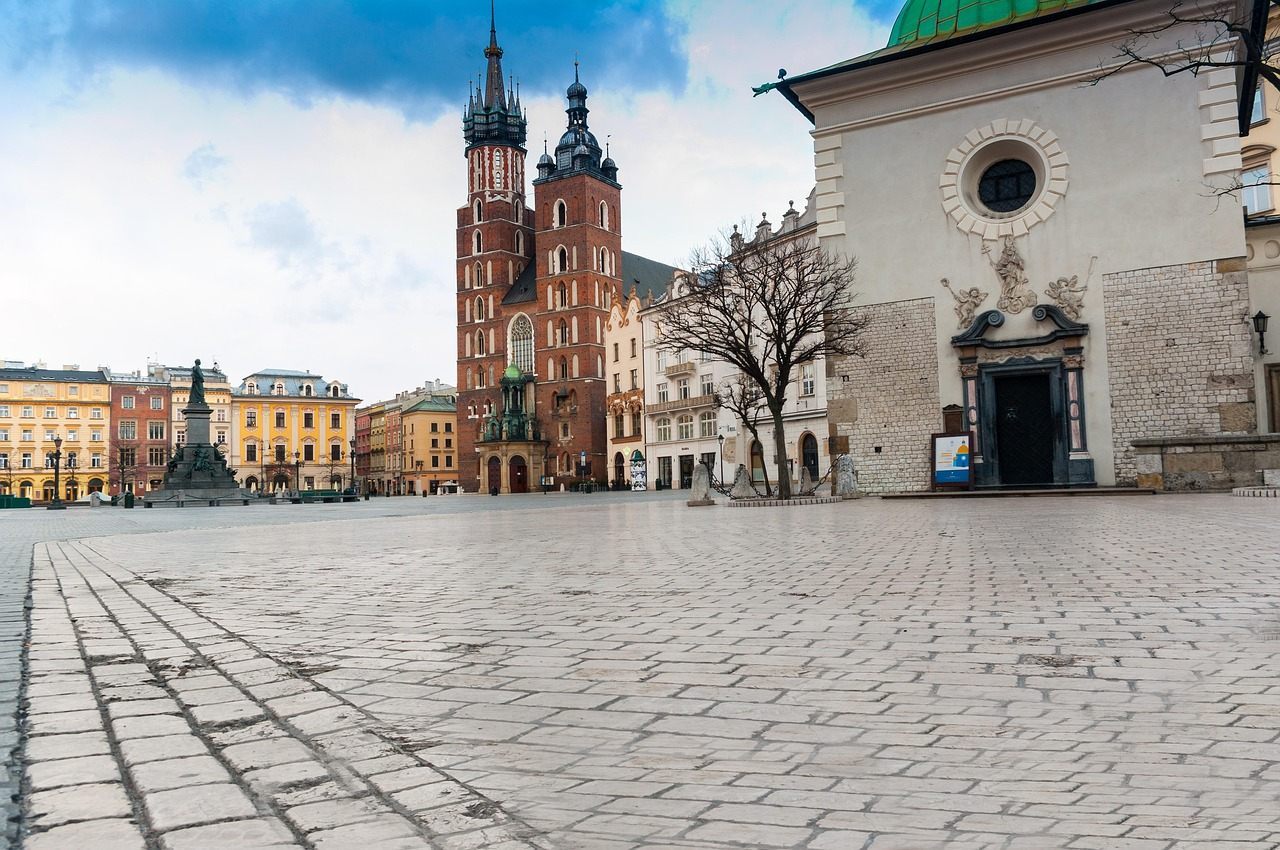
(197, 472)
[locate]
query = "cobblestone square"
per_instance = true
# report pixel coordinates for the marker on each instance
(621, 671)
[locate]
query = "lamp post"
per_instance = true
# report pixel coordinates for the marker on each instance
(297, 471)
(352, 444)
(56, 504)
(1260, 325)
(720, 440)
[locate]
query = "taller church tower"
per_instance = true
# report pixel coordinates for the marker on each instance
(495, 241)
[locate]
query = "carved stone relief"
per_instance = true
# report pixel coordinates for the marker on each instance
(1068, 293)
(967, 303)
(1016, 293)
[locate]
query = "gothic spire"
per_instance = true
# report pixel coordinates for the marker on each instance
(494, 116)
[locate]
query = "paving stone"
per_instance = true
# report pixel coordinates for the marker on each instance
(256, 834)
(193, 805)
(178, 773)
(72, 771)
(141, 750)
(112, 834)
(45, 747)
(78, 802)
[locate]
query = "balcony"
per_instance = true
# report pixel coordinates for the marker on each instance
(682, 404)
(687, 367)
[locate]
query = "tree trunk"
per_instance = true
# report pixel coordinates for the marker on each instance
(780, 452)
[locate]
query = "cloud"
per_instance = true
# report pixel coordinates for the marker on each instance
(415, 56)
(286, 231)
(203, 166)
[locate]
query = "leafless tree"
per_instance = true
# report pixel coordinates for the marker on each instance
(122, 464)
(1197, 36)
(766, 310)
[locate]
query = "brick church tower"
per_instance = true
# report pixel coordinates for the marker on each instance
(579, 254)
(533, 293)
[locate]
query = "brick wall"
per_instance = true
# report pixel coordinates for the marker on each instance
(1179, 351)
(889, 398)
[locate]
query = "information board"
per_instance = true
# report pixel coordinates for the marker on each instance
(951, 464)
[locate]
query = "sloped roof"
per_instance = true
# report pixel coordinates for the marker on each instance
(649, 276)
(523, 290)
(31, 373)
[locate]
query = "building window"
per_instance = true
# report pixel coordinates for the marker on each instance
(562, 214)
(707, 424)
(251, 452)
(95, 435)
(806, 379)
(28, 412)
(127, 402)
(157, 403)
(522, 343)
(563, 257)
(564, 369)
(682, 388)
(619, 421)
(4, 410)
(95, 413)
(251, 419)
(26, 460)
(279, 418)
(615, 352)
(617, 382)
(478, 243)
(479, 311)
(1007, 185)
(308, 453)
(128, 430)
(1255, 190)
(435, 442)
(155, 430)
(664, 430)
(335, 451)
(480, 343)
(308, 419)
(684, 427)
(1258, 114)
(562, 296)
(279, 454)
(664, 470)
(635, 379)
(633, 347)
(155, 456)
(335, 421)
(73, 413)
(662, 359)
(28, 436)
(662, 392)
(95, 460)
(564, 430)
(708, 385)
(222, 437)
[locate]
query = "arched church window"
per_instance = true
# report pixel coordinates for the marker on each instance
(562, 337)
(479, 243)
(479, 279)
(563, 258)
(478, 213)
(480, 348)
(562, 214)
(564, 369)
(479, 309)
(562, 296)
(520, 247)
(604, 215)
(522, 343)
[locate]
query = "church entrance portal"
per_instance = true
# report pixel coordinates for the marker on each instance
(495, 475)
(1025, 429)
(519, 482)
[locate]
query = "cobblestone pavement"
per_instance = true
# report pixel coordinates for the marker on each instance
(582, 672)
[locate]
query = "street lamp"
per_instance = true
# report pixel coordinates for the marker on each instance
(56, 504)
(297, 472)
(352, 444)
(1260, 326)
(720, 439)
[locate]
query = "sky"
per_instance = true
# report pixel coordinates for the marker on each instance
(274, 183)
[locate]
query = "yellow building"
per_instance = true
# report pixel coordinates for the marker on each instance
(291, 431)
(40, 405)
(429, 429)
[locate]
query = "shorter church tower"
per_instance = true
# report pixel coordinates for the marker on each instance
(578, 262)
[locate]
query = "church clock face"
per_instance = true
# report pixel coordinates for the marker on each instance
(497, 169)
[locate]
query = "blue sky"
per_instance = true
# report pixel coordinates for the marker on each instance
(289, 170)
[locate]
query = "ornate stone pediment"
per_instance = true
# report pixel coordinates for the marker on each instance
(1064, 328)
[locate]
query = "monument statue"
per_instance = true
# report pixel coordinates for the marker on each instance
(197, 384)
(1016, 294)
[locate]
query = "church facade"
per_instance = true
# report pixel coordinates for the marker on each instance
(1049, 256)
(536, 277)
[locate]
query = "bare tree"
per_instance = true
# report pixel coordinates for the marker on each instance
(1199, 35)
(765, 311)
(122, 464)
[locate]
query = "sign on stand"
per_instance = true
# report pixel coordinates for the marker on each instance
(950, 466)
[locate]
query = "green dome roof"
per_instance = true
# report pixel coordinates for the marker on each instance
(513, 372)
(935, 20)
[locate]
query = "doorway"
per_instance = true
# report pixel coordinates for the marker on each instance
(686, 471)
(495, 475)
(1025, 430)
(519, 479)
(809, 455)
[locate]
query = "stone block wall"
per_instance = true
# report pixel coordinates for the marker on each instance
(1208, 463)
(889, 398)
(1179, 352)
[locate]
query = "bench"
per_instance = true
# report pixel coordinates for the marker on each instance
(306, 497)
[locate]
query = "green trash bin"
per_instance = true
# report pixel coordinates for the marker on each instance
(128, 499)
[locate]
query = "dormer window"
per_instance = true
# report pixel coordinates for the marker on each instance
(251, 388)
(279, 389)
(306, 389)
(335, 391)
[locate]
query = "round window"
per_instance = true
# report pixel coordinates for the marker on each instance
(1007, 185)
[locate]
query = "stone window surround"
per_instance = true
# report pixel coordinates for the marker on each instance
(982, 147)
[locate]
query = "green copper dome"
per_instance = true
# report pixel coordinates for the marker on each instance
(513, 373)
(936, 20)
